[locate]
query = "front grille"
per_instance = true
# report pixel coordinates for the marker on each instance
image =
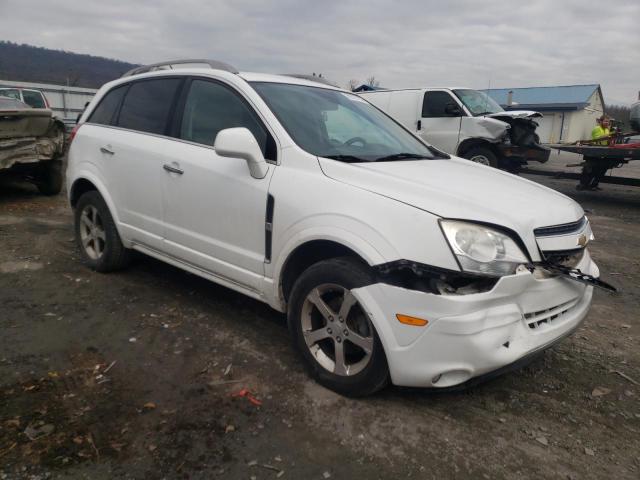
(563, 229)
(566, 258)
(551, 315)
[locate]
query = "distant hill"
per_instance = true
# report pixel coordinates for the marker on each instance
(36, 64)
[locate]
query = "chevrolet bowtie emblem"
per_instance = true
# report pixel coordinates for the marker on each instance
(582, 240)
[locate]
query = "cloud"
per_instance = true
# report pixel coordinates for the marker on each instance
(408, 43)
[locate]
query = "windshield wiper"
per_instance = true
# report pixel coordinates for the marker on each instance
(402, 156)
(345, 158)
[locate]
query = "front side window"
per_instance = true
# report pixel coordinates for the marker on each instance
(104, 113)
(435, 104)
(340, 125)
(147, 105)
(211, 107)
(34, 98)
(478, 103)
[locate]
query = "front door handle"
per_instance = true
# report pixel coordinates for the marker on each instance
(172, 169)
(107, 149)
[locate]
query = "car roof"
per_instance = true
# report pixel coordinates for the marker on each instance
(247, 76)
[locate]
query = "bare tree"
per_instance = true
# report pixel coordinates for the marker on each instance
(372, 81)
(353, 84)
(620, 113)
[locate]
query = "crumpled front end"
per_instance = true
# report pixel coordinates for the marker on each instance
(524, 142)
(471, 335)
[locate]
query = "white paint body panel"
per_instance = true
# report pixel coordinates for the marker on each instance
(211, 222)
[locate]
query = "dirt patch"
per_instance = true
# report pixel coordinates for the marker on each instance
(13, 267)
(65, 418)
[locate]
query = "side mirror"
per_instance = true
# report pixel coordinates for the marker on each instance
(453, 110)
(240, 143)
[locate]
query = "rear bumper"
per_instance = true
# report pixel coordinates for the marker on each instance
(469, 336)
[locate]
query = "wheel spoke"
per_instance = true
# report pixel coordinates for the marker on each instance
(101, 235)
(365, 343)
(348, 301)
(312, 337)
(315, 298)
(98, 246)
(86, 240)
(340, 367)
(85, 220)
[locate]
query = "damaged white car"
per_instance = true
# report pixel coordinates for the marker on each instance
(393, 261)
(467, 123)
(31, 144)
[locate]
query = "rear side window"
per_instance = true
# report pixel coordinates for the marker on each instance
(10, 92)
(104, 113)
(34, 98)
(434, 104)
(211, 107)
(147, 105)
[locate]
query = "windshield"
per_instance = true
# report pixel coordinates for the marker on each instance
(478, 103)
(340, 125)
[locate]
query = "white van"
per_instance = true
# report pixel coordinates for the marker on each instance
(392, 260)
(466, 123)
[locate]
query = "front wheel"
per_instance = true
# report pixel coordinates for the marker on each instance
(333, 332)
(483, 156)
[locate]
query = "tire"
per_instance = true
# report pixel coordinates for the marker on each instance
(363, 369)
(482, 155)
(50, 177)
(97, 236)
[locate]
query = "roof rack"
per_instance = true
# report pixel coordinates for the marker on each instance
(312, 78)
(216, 65)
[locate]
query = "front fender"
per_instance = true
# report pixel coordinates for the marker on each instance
(489, 129)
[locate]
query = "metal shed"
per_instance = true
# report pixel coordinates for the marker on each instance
(570, 111)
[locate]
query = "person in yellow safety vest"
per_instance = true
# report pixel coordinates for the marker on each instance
(594, 170)
(601, 131)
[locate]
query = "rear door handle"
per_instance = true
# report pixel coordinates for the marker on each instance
(172, 169)
(107, 149)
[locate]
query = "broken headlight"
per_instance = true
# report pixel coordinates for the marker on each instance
(481, 249)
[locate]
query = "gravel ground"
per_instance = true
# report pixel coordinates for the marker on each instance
(137, 375)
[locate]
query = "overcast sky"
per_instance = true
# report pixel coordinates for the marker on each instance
(402, 43)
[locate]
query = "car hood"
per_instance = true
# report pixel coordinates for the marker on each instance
(460, 189)
(515, 114)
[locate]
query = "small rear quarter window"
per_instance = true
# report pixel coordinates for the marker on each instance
(104, 113)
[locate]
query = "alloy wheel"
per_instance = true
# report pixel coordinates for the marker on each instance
(336, 330)
(92, 232)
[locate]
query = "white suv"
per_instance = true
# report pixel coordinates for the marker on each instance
(393, 261)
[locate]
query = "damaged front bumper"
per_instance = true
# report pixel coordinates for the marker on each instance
(471, 335)
(524, 154)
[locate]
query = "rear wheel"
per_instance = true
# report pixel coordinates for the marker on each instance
(482, 155)
(50, 177)
(97, 236)
(333, 332)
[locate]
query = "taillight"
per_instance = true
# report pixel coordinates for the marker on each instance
(73, 133)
